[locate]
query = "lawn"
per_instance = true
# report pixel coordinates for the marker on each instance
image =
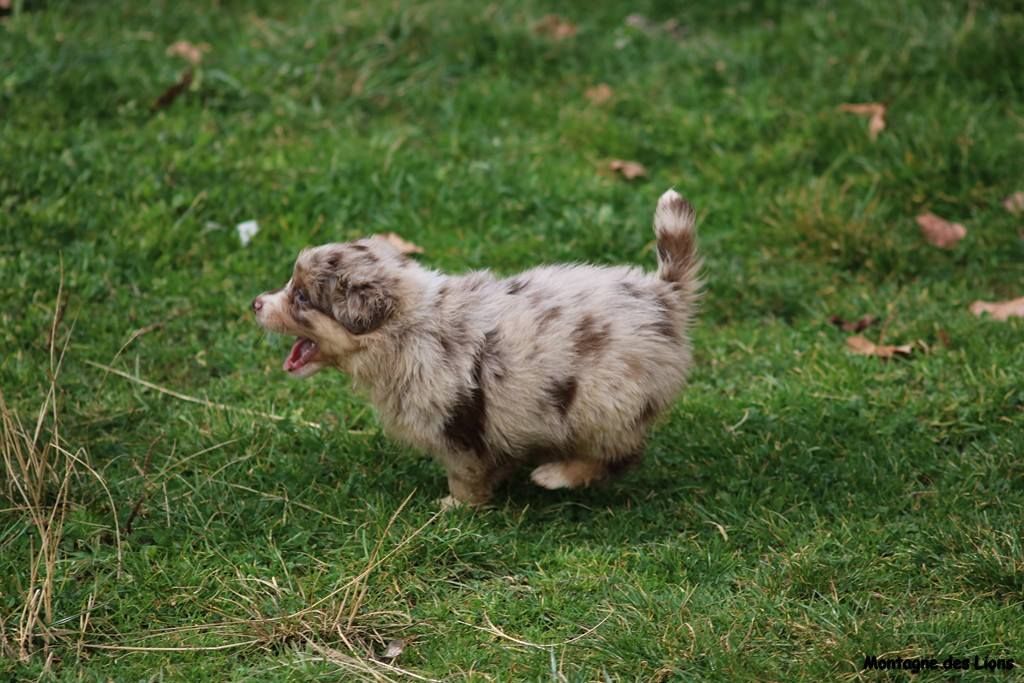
(800, 508)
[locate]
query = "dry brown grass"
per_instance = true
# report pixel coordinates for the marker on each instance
(40, 470)
(335, 628)
(40, 473)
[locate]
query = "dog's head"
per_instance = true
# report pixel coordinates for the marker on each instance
(338, 297)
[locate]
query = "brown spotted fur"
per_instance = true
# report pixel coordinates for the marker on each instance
(573, 362)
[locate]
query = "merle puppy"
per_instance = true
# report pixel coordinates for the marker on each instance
(563, 367)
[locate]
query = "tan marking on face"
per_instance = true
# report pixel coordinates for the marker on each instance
(281, 313)
(275, 316)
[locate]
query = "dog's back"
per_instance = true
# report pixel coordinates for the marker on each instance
(568, 364)
(571, 362)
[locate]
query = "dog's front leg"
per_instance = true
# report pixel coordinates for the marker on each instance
(471, 483)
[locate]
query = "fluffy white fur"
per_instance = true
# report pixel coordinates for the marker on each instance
(563, 367)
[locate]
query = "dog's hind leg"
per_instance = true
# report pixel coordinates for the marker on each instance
(577, 472)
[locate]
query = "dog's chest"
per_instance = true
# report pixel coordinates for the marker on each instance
(408, 415)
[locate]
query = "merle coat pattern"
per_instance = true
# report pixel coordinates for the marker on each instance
(563, 367)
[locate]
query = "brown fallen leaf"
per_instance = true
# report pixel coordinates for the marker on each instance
(190, 52)
(669, 27)
(173, 92)
(865, 347)
(639, 21)
(1000, 310)
(863, 323)
(402, 245)
(876, 110)
(555, 27)
(672, 28)
(627, 169)
(599, 94)
(939, 231)
(393, 649)
(1014, 203)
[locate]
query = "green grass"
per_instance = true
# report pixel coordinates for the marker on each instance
(801, 507)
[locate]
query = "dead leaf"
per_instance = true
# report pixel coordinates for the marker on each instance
(599, 94)
(876, 110)
(854, 325)
(627, 169)
(555, 27)
(1014, 203)
(670, 27)
(402, 245)
(246, 231)
(191, 53)
(939, 231)
(641, 22)
(173, 92)
(393, 649)
(1000, 310)
(865, 347)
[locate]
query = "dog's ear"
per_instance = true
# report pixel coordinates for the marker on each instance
(362, 308)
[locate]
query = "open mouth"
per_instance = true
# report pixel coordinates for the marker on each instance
(303, 352)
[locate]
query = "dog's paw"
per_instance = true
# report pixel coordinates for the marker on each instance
(450, 503)
(552, 475)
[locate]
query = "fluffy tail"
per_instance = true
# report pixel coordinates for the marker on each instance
(678, 261)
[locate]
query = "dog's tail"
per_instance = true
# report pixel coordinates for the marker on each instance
(678, 261)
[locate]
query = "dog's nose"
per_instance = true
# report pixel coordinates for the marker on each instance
(257, 304)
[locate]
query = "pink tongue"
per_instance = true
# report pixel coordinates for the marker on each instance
(302, 352)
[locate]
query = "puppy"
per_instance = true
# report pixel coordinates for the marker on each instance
(563, 367)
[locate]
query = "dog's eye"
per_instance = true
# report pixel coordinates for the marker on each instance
(301, 298)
